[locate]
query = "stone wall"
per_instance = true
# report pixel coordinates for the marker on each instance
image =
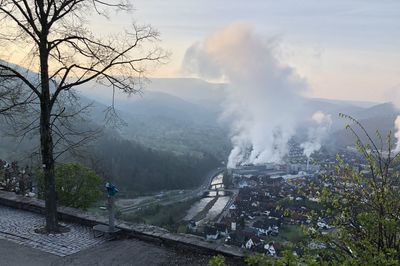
(140, 231)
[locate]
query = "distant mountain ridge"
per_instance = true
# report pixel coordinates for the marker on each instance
(182, 115)
(186, 106)
(363, 104)
(379, 117)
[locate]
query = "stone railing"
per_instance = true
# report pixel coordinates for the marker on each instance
(140, 231)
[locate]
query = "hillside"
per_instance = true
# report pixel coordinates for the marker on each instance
(381, 116)
(171, 116)
(173, 131)
(165, 121)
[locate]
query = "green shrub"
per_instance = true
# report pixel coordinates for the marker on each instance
(76, 185)
(217, 260)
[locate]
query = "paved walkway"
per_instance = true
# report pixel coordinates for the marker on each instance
(20, 245)
(19, 227)
(13, 254)
(112, 253)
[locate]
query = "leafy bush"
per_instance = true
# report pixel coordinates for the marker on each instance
(258, 260)
(217, 260)
(76, 185)
(363, 205)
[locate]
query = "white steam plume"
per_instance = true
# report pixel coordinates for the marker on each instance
(263, 101)
(397, 134)
(317, 134)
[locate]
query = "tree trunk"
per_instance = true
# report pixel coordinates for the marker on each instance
(46, 142)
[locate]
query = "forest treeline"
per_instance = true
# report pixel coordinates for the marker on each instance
(133, 167)
(139, 169)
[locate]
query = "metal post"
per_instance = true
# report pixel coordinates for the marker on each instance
(111, 218)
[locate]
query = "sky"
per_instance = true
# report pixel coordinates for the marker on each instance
(343, 49)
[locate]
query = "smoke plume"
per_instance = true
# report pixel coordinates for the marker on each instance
(264, 96)
(317, 133)
(397, 134)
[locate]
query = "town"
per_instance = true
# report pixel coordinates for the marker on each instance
(274, 205)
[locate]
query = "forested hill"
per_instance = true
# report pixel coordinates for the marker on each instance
(136, 168)
(168, 122)
(174, 135)
(167, 143)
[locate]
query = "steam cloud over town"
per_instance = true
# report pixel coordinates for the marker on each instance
(264, 102)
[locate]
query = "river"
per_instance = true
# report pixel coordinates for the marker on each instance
(215, 209)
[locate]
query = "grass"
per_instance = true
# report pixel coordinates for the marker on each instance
(288, 233)
(292, 233)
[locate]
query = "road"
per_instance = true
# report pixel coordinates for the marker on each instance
(184, 196)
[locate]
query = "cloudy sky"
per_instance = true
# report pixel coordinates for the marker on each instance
(344, 49)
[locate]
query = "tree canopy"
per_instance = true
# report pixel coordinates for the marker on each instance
(364, 205)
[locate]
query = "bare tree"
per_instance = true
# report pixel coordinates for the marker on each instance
(13, 100)
(65, 53)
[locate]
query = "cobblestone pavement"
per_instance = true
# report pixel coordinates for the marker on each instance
(19, 227)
